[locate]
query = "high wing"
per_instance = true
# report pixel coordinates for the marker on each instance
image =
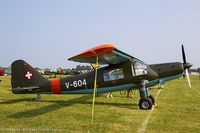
(107, 54)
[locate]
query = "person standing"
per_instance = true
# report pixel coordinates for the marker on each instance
(109, 95)
(130, 93)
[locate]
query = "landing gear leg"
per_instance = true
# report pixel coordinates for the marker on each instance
(160, 85)
(38, 98)
(146, 101)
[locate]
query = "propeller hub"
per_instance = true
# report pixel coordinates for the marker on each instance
(187, 65)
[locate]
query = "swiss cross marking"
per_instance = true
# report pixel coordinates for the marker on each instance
(28, 75)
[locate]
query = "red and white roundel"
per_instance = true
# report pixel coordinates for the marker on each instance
(28, 75)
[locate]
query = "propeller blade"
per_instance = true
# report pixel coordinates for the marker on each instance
(183, 54)
(188, 78)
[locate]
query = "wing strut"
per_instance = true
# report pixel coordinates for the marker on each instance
(95, 67)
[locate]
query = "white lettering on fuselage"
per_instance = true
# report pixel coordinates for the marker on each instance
(76, 83)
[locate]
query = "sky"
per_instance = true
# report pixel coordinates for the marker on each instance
(45, 33)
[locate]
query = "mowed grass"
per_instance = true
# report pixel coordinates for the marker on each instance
(177, 109)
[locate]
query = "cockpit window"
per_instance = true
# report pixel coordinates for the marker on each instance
(139, 69)
(114, 74)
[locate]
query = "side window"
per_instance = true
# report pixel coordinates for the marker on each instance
(139, 69)
(114, 74)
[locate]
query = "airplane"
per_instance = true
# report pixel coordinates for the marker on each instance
(113, 70)
(51, 72)
(2, 72)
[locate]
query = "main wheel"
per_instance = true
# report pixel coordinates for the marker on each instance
(145, 103)
(152, 99)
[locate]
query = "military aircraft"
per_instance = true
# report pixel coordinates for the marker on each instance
(119, 71)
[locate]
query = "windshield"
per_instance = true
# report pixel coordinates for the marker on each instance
(139, 68)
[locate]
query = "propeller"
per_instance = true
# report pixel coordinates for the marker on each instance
(186, 66)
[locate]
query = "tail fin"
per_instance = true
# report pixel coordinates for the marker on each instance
(24, 75)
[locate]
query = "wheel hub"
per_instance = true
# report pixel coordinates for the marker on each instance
(145, 105)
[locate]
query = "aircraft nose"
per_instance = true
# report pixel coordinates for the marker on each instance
(187, 65)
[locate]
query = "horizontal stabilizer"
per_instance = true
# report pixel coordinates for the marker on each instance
(26, 88)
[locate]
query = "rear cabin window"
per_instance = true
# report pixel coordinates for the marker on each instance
(114, 74)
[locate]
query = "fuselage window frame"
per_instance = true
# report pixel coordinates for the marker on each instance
(113, 74)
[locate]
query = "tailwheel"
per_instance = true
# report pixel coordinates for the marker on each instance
(37, 99)
(145, 103)
(152, 99)
(34, 99)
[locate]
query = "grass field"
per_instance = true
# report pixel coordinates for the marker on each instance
(177, 110)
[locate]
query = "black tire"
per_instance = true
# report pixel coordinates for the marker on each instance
(145, 103)
(152, 99)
